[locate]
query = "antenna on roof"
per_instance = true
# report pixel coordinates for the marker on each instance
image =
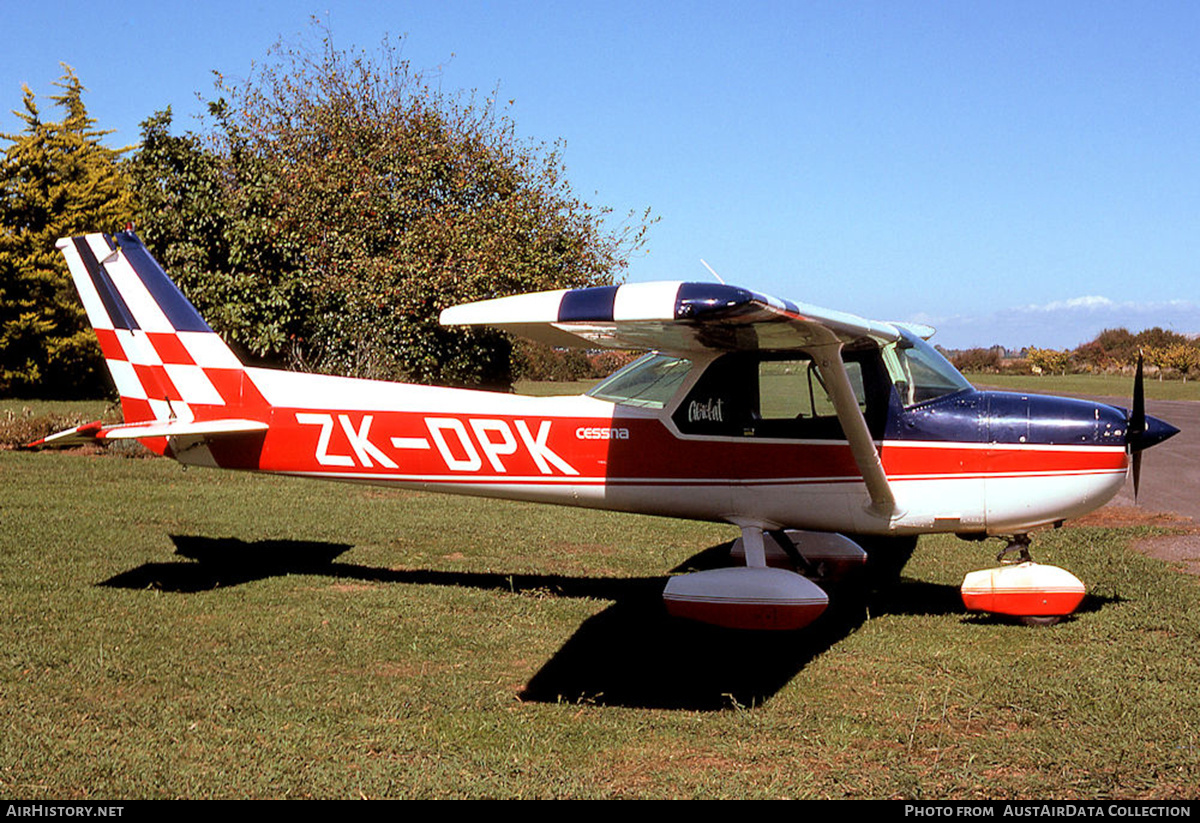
(712, 271)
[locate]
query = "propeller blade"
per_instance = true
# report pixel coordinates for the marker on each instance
(1137, 474)
(1137, 417)
(1135, 427)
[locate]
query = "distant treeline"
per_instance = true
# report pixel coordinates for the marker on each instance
(533, 361)
(1166, 354)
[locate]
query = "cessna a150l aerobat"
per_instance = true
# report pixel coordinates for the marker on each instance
(808, 429)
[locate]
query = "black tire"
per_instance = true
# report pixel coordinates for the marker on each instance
(886, 556)
(1042, 620)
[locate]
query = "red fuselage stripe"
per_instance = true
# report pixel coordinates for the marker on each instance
(475, 449)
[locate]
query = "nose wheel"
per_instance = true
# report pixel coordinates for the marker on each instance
(1041, 620)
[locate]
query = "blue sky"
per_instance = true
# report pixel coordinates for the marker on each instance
(1012, 172)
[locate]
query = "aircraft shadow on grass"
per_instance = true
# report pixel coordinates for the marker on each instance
(630, 654)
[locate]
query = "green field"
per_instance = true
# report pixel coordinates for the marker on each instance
(544, 389)
(1094, 385)
(192, 633)
(92, 409)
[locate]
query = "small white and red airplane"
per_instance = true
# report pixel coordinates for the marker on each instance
(811, 430)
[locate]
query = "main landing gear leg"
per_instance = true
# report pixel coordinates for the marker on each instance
(1016, 543)
(802, 563)
(754, 545)
(752, 541)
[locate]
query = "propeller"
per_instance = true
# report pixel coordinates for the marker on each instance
(1142, 431)
(1135, 428)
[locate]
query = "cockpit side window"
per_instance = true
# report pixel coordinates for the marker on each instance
(780, 395)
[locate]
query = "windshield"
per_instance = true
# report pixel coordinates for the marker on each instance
(649, 382)
(919, 371)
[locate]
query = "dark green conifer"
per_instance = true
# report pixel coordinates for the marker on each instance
(57, 180)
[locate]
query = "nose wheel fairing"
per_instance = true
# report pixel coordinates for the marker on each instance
(1038, 594)
(1024, 589)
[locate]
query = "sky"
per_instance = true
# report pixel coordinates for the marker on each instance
(1015, 173)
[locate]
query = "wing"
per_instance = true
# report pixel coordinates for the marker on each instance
(673, 317)
(687, 317)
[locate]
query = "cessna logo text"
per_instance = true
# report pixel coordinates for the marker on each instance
(586, 433)
(464, 444)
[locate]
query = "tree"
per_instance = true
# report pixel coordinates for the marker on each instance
(1159, 337)
(1182, 357)
(204, 214)
(1048, 360)
(1112, 348)
(1155, 357)
(384, 200)
(57, 180)
(978, 360)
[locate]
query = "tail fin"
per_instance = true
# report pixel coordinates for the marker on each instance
(167, 363)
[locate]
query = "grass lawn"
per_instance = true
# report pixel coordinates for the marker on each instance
(192, 633)
(1096, 385)
(14, 407)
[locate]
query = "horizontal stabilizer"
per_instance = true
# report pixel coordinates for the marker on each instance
(170, 428)
(77, 436)
(92, 432)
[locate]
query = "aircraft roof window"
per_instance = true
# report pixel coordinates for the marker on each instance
(648, 382)
(920, 372)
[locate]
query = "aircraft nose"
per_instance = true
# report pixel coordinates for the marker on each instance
(1155, 432)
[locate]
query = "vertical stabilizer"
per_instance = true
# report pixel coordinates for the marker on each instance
(166, 362)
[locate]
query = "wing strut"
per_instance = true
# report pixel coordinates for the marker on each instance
(862, 445)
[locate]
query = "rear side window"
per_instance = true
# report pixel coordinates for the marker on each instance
(648, 382)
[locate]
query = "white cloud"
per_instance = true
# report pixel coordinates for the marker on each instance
(1091, 301)
(1061, 323)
